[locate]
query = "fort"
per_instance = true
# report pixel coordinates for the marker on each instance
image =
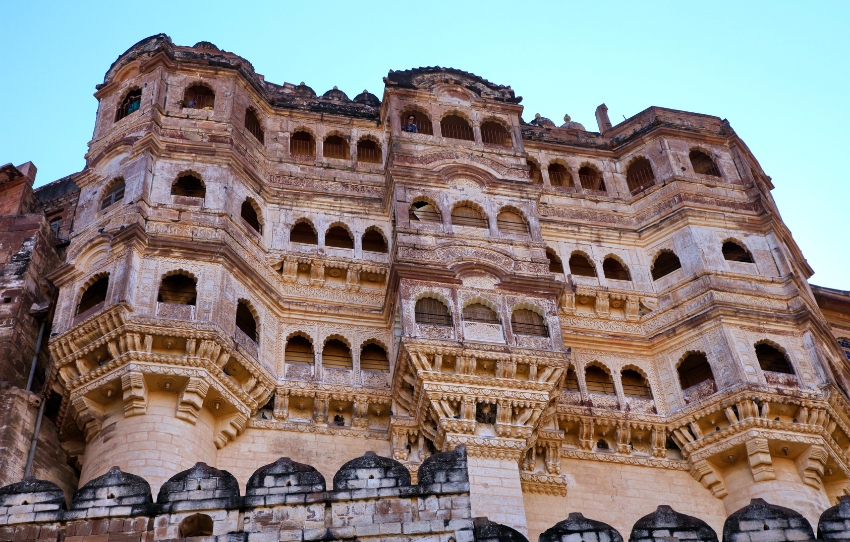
(260, 314)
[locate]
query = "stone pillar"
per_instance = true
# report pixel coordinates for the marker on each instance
(495, 490)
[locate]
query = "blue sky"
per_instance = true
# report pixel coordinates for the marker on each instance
(779, 71)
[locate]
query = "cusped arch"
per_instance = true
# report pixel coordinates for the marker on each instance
(339, 235)
(470, 214)
(480, 309)
(189, 183)
(581, 264)
(556, 265)
(248, 319)
(199, 95)
(736, 251)
(456, 124)
(303, 231)
(664, 263)
(374, 240)
(559, 173)
(93, 292)
(432, 308)
(336, 145)
(129, 104)
(369, 149)
(495, 131)
(599, 378)
(434, 295)
(337, 352)
(693, 368)
(512, 221)
(424, 209)
(178, 286)
(635, 382)
(773, 357)
(614, 268)
(422, 120)
(639, 174)
(252, 214)
(590, 177)
(703, 162)
(529, 319)
(374, 356)
(299, 348)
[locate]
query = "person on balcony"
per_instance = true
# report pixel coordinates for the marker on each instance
(411, 125)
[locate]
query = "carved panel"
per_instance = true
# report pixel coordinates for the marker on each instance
(477, 331)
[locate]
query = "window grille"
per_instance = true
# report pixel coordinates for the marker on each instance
(598, 381)
(477, 312)
(665, 263)
(129, 105)
(368, 151)
(694, 370)
(464, 215)
(94, 295)
(845, 345)
(493, 133)
(736, 253)
(374, 358)
(335, 147)
(303, 232)
(639, 175)
(299, 351)
(252, 124)
(635, 385)
(511, 223)
(703, 164)
(559, 176)
(113, 195)
(455, 127)
(245, 321)
(422, 211)
(581, 266)
(432, 311)
(336, 355)
(614, 270)
(771, 359)
(590, 179)
(527, 322)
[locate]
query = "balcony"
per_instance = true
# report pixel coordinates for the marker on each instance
(532, 341)
(299, 372)
(175, 311)
(375, 379)
(781, 379)
(641, 405)
(432, 331)
(611, 402)
(488, 333)
(337, 376)
(89, 312)
(246, 342)
(700, 391)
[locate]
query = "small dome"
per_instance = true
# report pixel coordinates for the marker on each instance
(305, 91)
(206, 45)
(367, 98)
(336, 95)
(574, 126)
(542, 121)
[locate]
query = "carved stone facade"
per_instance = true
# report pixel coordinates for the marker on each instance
(607, 321)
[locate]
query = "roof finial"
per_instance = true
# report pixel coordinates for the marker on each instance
(537, 115)
(567, 118)
(335, 88)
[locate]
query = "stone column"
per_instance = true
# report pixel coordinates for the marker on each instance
(494, 487)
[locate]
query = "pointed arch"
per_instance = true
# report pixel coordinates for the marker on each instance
(614, 269)
(299, 350)
(93, 292)
(466, 213)
(635, 383)
(598, 379)
(199, 96)
(246, 320)
(113, 193)
(703, 164)
(131, 103)
(591, 178)
(374, 241)
(421, 122)
(559, 175)
(555, 263)
(694, 369)
(735, 251)
(494, 132)
(534, 172)
(424, 209)
(455, 126)
(665, 263)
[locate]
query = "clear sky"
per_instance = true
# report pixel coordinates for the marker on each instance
(779, 71)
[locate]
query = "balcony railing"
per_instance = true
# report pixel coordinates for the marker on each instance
(560, 178)
(334, 150)
(457, 131)
(477, 331)
(176, 311)
(371, 156)
(495, 137)
(246, 342)
(199, 102)
(89, 312)
(700, 391)
(640, 179)
(302, 148)
(781, 379)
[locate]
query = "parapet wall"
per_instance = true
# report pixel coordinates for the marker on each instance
(371, 498)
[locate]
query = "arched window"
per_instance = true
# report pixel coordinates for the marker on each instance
(335, 147)
(196, 525)
(251, 216)
(374, 358)
(581, 266)
(373, 241)
(590, 178)
(113, 194)
(639, 175)
(245, 321)
(476, 312)
(665, 263)
(511, 223)
(599, 381)
(432, 311)
(302, 144)
(734, 252)
(299, 351)
(534, 172)
(252, 124)
(179, 289)
(771, 359)
(368, 151)
(94, 295)
(494, 133)
(555, 264)
(456, 127)
(845, 346)
(527, 322)
(303, 232)
(130, 104)
(703, 164)
(614, 270)
(338, 237)
(571, 382)
(467, 215)
(190, 186)
(199, 97)
(634, 384)
(416, 122)
(694, 370)
(559, 175)
(423, 211)
(336, 355)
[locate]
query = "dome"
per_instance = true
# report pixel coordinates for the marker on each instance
(304, 91)
(206, 45)
(336, 95)
(543, 122)
(367, 98)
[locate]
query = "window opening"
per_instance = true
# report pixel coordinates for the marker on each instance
(456, 127)
(196, 525)
(476, 312)
(299, 351)
(336, 355)
(771, 359)
(335, 147)
(252, 124)
(374, 358)
(251, 217)
(432, 311)
(338, 237)
(599, 381)
(581, 266)
(559, 175)
(189, 186)
(416, 123)
(639, 175)
(303, 232)
(464, 215)
(179, 289)
(590, 178)
(245, 321)
(635, 385)
(130, 104)
(368, 151)
(94, 295)
(703, 164)
(199, 97)
(555, 264)
(694, 370)
(665, 263)
(373, 241)
(511, 223)
(734, 252)
(534, 172)
(493, 133)
(303, 144)
(571, 382)
(614, 270)
(528, 322)
(845, 345)
(114, 194)
(422, 211)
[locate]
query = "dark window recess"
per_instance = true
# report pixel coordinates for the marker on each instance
(664, 264)
(374, 358)
(571, 382)
(373, 241)
(493, 133)
(245, 321)
(635, 385)
(189, 186)
(527, 322)
(302, 144)
(559, 175)
(251, 217)
(477, 312)
(639, 175)
(178, 289)
(614, 270)
(196, 525)
(432, 311)
(598, 381)
(303, 232)
(736, 253)
(339, 237)
(694, 370)
(581, 266)
(485, 413)
(421, 123)
(299, 351)
(456, 127)
(534, 172)
(130, 104)
(771, 359)
(114, 194)
(464, 215)
(368, 151)
(590, 179)
(55, 225)
(602, 445)
(252, 124)
(422, 211)
(555, 264)
(511, 223)
(703, 164)
(199, 97)
(336, 355)
(335, 147)
(94, 295)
